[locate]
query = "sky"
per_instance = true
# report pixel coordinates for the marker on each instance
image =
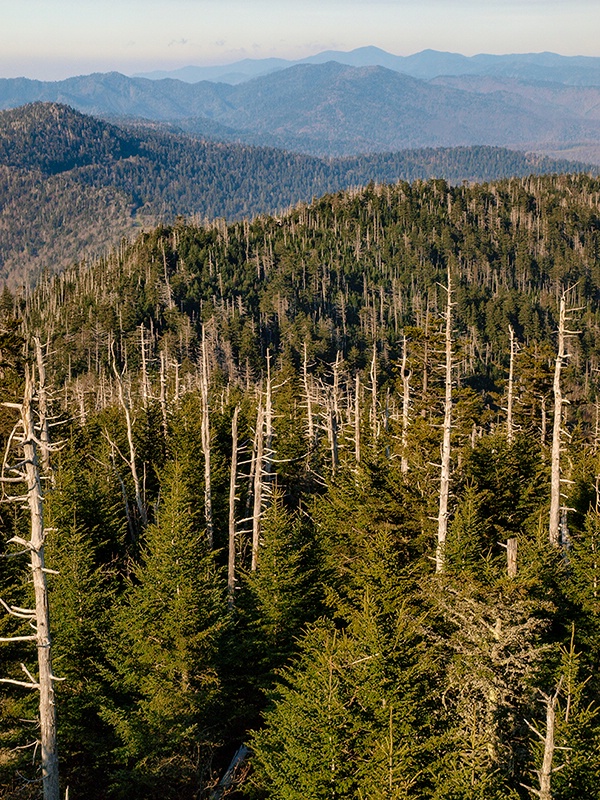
(56, 39)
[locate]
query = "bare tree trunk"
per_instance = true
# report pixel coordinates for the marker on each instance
(42, 395)
(139, 495)
(39, 618)
(208, 514)
(233, 773)
(559, 402)
(440, 554)
(332, 434)
(405, 406)
(554, 529)
(163, 391)
(511, 370)
(543, 425)
(545, 772)
(48, 739)
(145, 387)
(511, 556)
(258, 486)
(425, 384)
(373, 375)
(336, 386)
(232, 494)
(357, 420)
(268, 451)
(307, 394)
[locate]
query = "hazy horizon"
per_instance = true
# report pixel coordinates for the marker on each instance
(56, 39)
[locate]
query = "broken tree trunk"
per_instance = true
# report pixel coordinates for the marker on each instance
(511, 556)
(546, 770)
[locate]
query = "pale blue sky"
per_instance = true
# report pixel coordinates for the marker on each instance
(53, 39)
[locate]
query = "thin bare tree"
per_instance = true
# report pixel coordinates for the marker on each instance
(232, 498)
(26, 438)
(559, 403)
(204, 386)
(440, 553)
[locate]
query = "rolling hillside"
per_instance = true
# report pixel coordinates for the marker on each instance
(72, 186)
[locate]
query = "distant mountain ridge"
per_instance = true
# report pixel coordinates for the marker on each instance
(335, 110)
(427, 64)
(72, 185)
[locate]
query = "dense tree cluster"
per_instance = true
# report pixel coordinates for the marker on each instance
(243, 510)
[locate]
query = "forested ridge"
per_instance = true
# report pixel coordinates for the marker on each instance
(244, 503)
(71, 186)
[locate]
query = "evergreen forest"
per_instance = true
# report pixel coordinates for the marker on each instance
(319, 502)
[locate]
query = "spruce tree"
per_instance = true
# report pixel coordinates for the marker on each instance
(163, 655)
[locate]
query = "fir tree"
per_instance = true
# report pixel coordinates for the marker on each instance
(164, 656)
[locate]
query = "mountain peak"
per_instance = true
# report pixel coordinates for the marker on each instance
(53, 138)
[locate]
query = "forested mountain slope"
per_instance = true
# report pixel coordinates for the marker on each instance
(244, 512)
(71, 185)
(333, 109)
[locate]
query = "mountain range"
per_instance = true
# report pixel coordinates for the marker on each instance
(72, 185)
(332, 109)
(428, 64)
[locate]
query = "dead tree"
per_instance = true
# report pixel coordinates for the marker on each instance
(268, 454)
(308, 397)
(145, 381)
(131, 461)
(357, 420)
(406, 374)
(258, 485)
(27, 470)
(373, 376)
(546, 769)
(232, 497)
(234, 774)
(559, 402)
(511, 372)
(263, 461)
(163, 392)
(511, 548)
(42, 403)
(440, 554)
(511, 556)
(208, 514)
(332, 432)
